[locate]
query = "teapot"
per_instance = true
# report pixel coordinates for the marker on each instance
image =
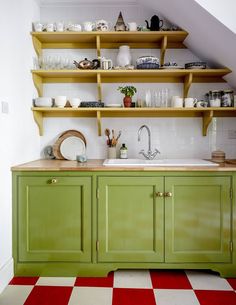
(156, 23)
(87, 64)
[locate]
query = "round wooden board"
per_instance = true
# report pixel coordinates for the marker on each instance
(62, 137)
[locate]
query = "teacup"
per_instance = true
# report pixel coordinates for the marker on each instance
(60, 101)
(88, 26)
(201, 104)
(132, 26)
(189, 102)
(106, 64)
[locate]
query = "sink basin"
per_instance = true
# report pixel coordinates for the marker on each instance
(160, 162)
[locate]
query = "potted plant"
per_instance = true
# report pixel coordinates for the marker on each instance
(128, 91)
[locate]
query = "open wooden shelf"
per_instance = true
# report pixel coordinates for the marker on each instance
(206, 113)
(108, 40)
(187, 77)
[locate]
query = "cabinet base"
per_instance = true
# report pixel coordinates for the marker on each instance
(102, 270)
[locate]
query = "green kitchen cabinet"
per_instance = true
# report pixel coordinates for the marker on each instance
(54, 219)
(197, 219)
(130, 219)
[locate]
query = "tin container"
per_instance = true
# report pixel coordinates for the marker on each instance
(227, 99)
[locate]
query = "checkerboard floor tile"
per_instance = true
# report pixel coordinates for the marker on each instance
(124, 287)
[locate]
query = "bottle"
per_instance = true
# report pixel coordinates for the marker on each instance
(123, 152)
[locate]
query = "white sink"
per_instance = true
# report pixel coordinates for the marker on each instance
(160, 162)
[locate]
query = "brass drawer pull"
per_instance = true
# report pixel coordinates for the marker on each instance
(53, 181)
(168, 194)
(159, 194)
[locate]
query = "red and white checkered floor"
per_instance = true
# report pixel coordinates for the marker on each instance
(123, 287)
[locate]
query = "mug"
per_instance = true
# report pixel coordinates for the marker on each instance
(49, 27)
(106, 64)
(132, 26)
(189, 102)
(88, 26)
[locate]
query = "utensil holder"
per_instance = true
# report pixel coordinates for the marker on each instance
(111, 152)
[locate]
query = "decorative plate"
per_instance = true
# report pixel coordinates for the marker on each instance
(71, 147)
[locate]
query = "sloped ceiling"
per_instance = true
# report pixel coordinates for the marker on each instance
(209, 38)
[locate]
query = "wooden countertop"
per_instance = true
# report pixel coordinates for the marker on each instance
(97, 165)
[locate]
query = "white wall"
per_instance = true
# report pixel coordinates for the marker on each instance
(173, 137)
(19, 136)
(222, 10)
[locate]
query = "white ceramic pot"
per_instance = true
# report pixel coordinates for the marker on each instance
(124, 57)
(75, 102)
(60, 101)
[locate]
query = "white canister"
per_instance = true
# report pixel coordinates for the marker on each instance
(124, 57)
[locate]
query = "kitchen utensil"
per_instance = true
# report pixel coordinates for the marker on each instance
(102, 25)
(71, 147)
(189, 102)
(59, 25)
(75, 102)
(106, 64)
(132, 26)
(50, 27)
(75, 27)
(38, 26)
(147, 59)
(177, 102)
(218, 156)
(92, 104)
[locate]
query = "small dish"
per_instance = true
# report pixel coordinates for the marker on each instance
(72, 147)
(43, 102)
(113, 105)
(171, 67)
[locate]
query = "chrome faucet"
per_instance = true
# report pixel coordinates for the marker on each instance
(149, 154)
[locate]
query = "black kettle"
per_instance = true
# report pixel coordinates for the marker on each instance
(156, 23)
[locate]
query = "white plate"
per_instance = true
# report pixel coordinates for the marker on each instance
(113, 105)
(71, 147)
(171, 67)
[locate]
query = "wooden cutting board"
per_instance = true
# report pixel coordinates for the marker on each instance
(62, 137)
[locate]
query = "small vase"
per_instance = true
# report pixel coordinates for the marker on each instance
(124, 57)
(127, 101)
(111, 152)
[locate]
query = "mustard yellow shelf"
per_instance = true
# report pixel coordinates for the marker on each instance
(206, 113)
(109, 40)
(187, 77)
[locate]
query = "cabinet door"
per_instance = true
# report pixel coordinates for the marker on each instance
(198, 219)
(130, 219)
(54, 219)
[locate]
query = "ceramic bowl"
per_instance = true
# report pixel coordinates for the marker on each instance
(60, 101)
(75, 102)
(195, 65)
(147, 59)
(43, 102)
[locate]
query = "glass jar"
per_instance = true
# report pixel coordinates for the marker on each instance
(227, 98)
(215, 98)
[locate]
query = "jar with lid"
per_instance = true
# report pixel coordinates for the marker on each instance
(215, 98)
(227, 98)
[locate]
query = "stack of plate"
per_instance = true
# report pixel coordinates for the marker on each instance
(70, 144)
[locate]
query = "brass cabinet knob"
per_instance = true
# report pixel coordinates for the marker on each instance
(53, 181)
(159, 194)
(168, 194)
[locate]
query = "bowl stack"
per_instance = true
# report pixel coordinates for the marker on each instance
(148, 62)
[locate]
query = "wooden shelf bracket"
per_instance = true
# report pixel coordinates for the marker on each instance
(99, 123)
(206, 120)
(38, 83)
(163, 49)
(38, 117)
(99, 86)
(37, 45)
(187, 83)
